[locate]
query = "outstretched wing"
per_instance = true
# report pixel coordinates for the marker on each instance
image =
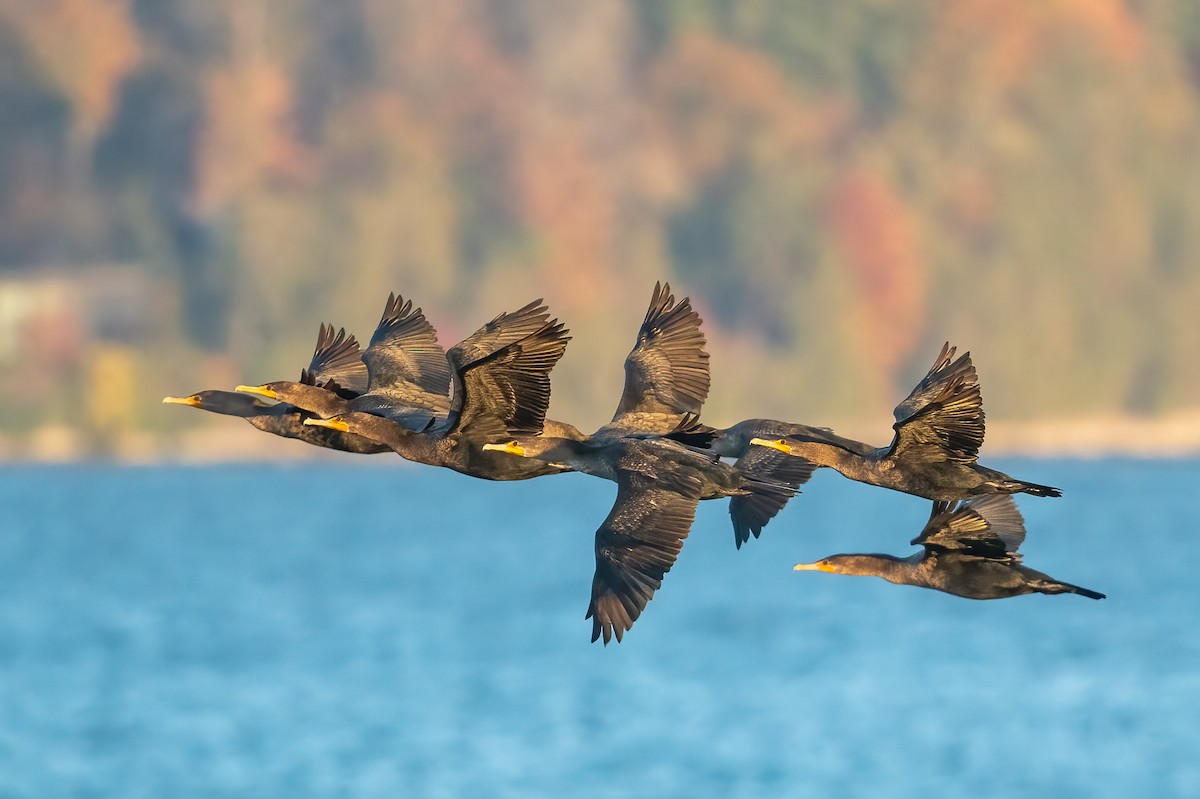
(505, 329)
(944, 413)
(507, 392)
(336, 363)
(988, 526)
(751, 512)
(666, 373)
(635, 546)
(404, 356)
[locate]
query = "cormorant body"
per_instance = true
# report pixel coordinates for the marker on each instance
(939, 429)
(501, 388)
(969, 550)
(336, 370)
(659, 483)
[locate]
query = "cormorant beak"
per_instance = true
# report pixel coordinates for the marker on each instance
(819, 566)
(511, 447)
(336, 423)
(192, 400)
(777, 443)
(261, 390)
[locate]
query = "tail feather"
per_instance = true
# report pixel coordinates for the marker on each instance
(1036, 489)
(1056, 587)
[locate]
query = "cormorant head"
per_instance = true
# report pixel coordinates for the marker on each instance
(780, 444)
(226, 402)
(265, 390)
(333, 423)
(194, 400)
(823, 565)
(511, 447)
(857, 564)
(310, 398)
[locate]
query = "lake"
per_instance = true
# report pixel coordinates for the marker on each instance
(380, 630)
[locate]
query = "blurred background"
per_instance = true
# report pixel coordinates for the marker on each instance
(188, 189)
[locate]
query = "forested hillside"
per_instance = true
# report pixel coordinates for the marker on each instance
(189, 187)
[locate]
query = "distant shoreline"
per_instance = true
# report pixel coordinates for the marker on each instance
(1174, 435)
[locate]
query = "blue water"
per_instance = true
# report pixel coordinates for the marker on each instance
(322, 631)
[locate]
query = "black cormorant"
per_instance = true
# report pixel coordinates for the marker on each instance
(501, 388)
(969, 549)
(659, 483)
(336, 368)
(939, 429)
(497, 393)
(666, 383)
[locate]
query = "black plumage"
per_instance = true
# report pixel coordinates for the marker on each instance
(335, 369)
(969, 549)
(933, 454)
(659, 483)
(501, 387)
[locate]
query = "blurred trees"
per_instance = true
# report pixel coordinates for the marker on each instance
(839, 186)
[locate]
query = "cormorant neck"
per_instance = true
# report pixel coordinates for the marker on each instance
(833, 455)
(315, 400)
(889, 567)
(553, 449)
(410, 444)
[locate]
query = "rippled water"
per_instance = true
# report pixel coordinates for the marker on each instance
(358, 631)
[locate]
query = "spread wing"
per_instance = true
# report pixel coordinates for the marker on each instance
(988, 526)
(635, 546)
(505, 329)
(666, 373)
(507, 392)
(404, 355)
(751, 512)
(336, 363)
(943, 413)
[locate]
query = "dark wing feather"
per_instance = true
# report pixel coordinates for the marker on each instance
(943, 413)
(505, 329)
(988, 526)
(489, 342)
(667, 371)
(1000, 512)
(404, 352)
(507, 392)
(635, 546)
(751, 512)
(414, 417)
(336, 363)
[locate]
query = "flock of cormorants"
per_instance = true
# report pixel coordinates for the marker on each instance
(480, 409)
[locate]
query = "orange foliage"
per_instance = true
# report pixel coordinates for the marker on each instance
(877, 236)
(569, 199)
(245, 137)
(1009, 38)
(441, 58)
(715, 94)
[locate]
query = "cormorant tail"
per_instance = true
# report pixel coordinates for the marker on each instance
(1055, 587)
(1036, 489)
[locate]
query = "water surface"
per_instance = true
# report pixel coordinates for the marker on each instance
(317, 631)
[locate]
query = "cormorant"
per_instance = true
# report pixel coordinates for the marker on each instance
(498, 392)
(939, 429)
(969, 549)
(666, 383)
(659, 483)
(501, 387)
(336, 368)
